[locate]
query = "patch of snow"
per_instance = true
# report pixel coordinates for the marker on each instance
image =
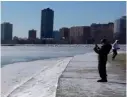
(32, 78)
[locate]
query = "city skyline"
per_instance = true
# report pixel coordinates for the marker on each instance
(63, 16)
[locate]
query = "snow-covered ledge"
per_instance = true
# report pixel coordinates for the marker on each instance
(32, 79)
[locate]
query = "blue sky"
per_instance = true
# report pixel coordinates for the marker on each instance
(27, 15)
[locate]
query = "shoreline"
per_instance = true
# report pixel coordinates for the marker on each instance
(33, 60)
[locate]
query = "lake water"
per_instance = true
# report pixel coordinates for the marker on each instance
(13, 54)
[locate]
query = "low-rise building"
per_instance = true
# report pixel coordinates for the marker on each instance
(79, 34)
(32, 34)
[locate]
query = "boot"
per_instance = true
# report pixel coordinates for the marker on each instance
(102, 80)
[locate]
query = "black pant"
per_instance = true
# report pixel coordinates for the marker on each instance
(102, 69)
(114, 54)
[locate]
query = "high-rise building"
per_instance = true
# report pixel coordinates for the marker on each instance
(120, 30)
(6, 31)
(32, 34)
(100, 31)
(47, 18)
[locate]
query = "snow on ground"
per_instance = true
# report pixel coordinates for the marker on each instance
(80, 76)
(32, 79)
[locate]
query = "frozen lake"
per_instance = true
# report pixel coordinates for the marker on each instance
(14, 54)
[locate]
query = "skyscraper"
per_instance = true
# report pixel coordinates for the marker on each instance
(120, 30)
(47, 17)
(6, 31)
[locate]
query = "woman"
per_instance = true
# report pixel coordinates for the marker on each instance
(115, 47)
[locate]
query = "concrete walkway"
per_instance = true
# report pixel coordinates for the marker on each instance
(80, 79)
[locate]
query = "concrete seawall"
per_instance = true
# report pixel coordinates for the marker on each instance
(79, 79)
